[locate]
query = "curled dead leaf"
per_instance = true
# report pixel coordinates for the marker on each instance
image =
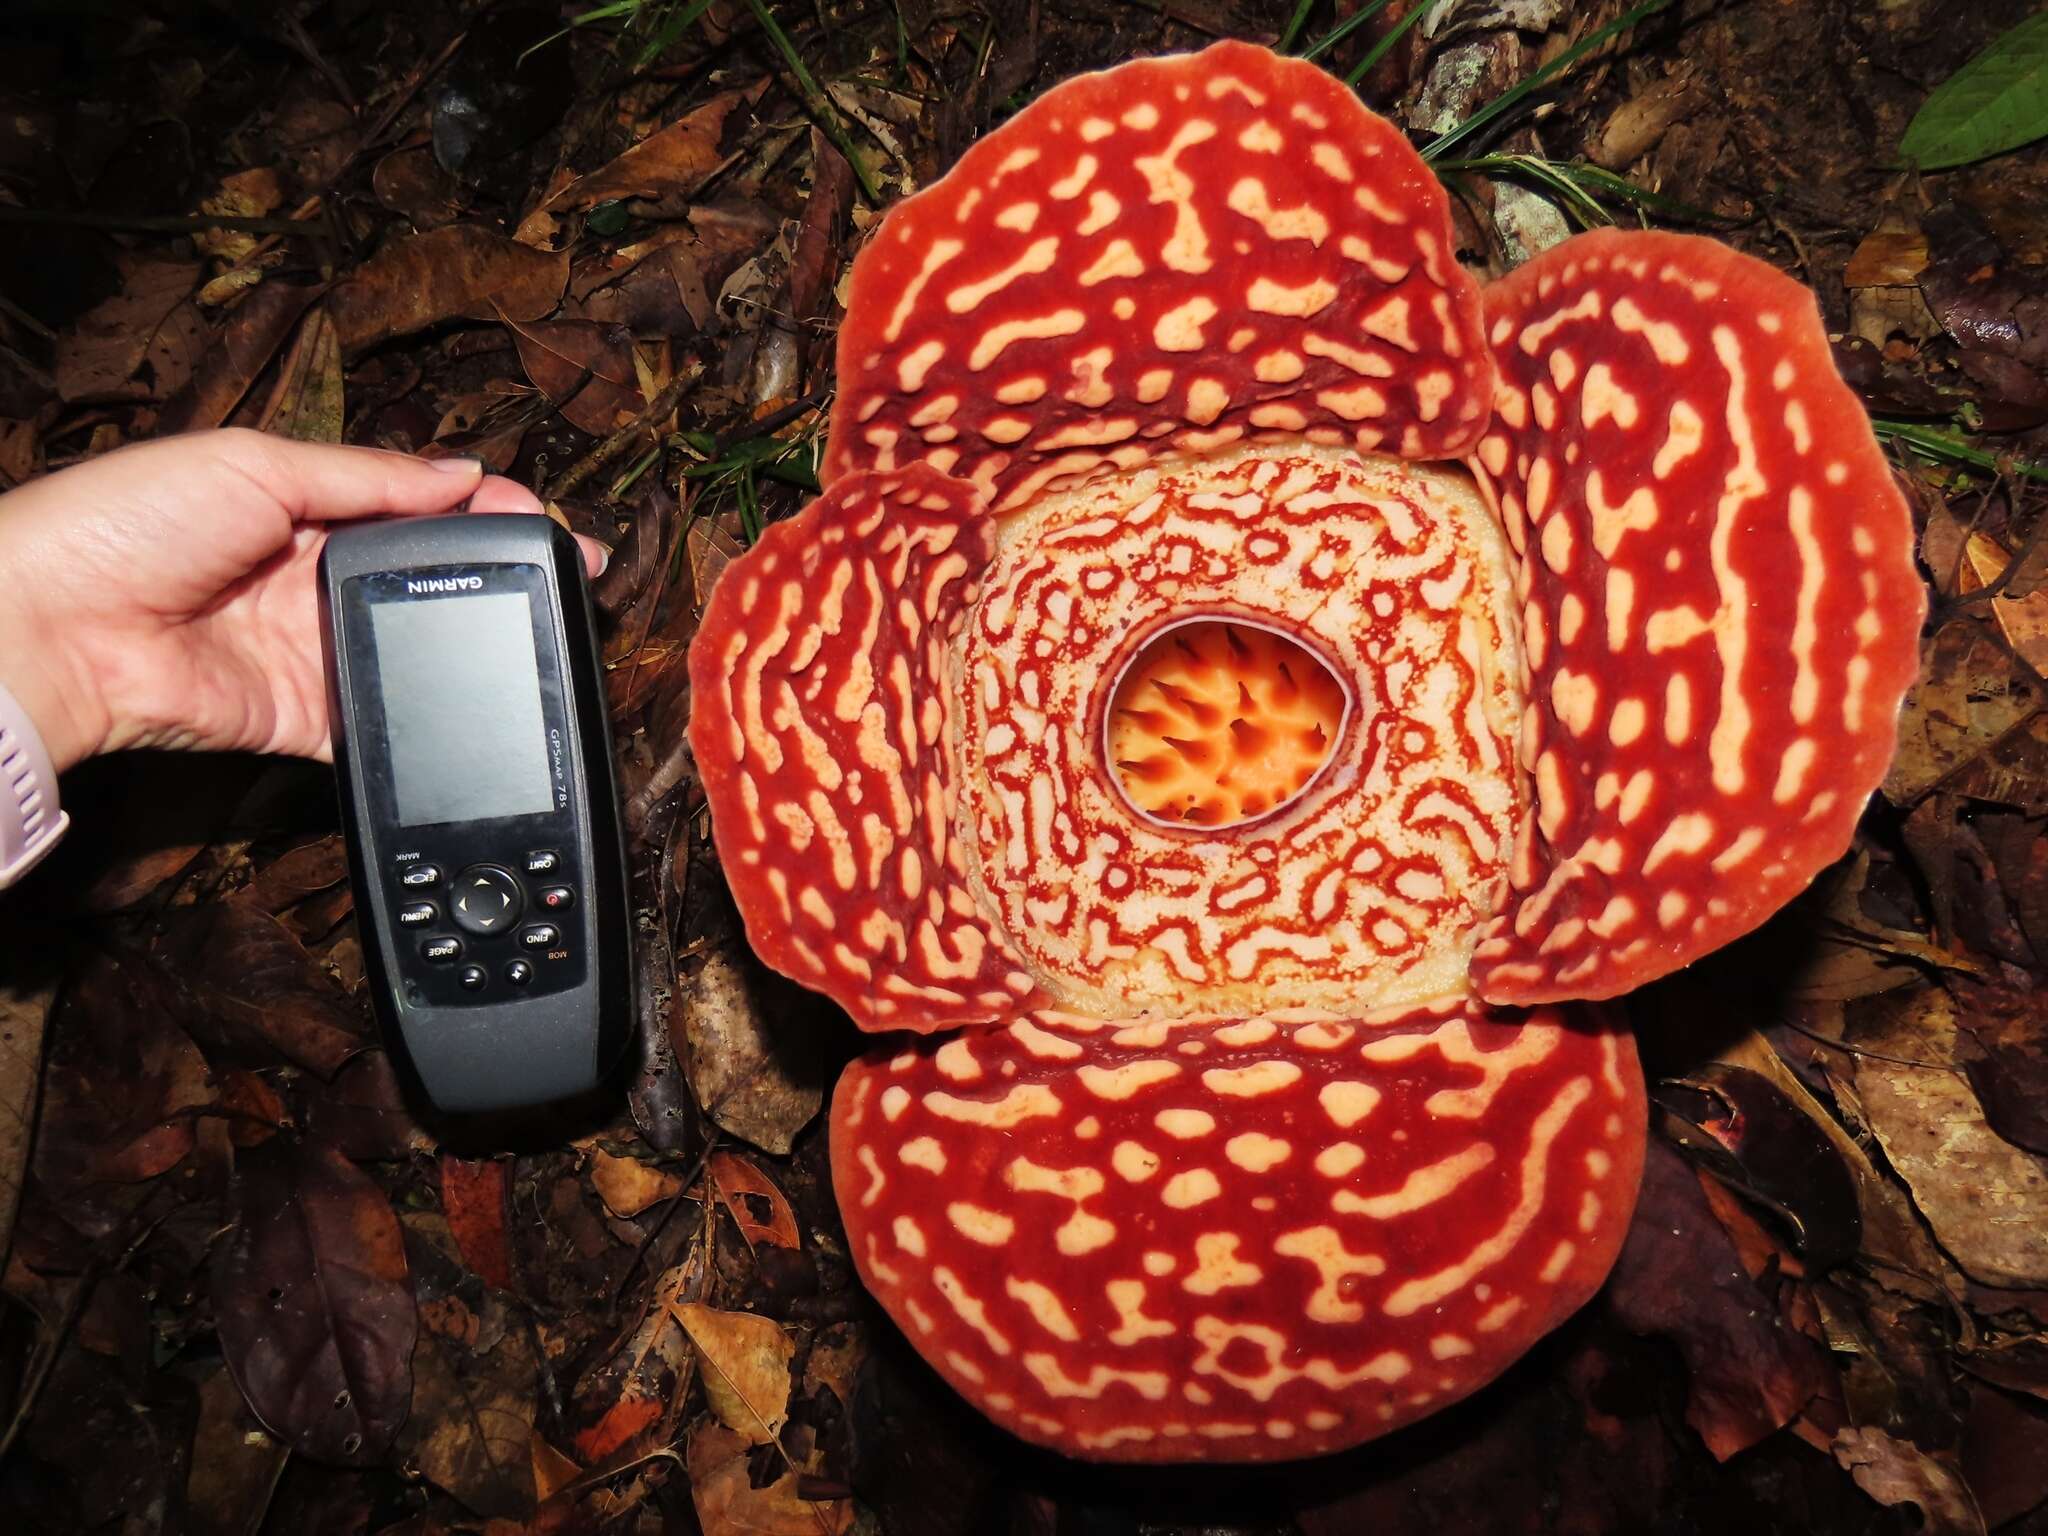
(745, 1361)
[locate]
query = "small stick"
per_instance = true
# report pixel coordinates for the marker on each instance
(659, 408)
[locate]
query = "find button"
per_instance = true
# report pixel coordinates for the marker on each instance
(485, 899)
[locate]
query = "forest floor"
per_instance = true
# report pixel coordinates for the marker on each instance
(606, 258)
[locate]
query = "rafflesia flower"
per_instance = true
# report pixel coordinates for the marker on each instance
(1242, 691)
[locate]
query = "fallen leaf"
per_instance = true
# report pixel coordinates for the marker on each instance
(363, 1112)
(460, 272)
(1894, 1471)
(244, 348)
(307, 404)
(2021, 610)
(632, 1400)
(471, 1425)
(735, 1177)
(728, 1504)
(313, 1302)
(473, 1198)
(585, 369)
(250, 986)
(28, 986)
(1679, 1275)
(746, 1367)
(662, 170)
(1986, 1199)
(141, 344)
(410, 182)
(121, 1079)
(235, 1462)
(629, 1186)
(761, 1083)
(1970, 693)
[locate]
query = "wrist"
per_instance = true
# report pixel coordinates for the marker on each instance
(58, 696)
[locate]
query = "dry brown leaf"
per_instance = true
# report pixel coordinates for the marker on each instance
(471, 1427)
(2024, 619)
(27, 986)
(307, 403)
(761, 1083)
(585, 368)
(628, 1186)
(141, 344)
(1894, 1471)
(1986, 1199)
(663, 169)
(460, 272)
(746, 1367)
(729, 1505)
(734, 1176)
(1970, 693)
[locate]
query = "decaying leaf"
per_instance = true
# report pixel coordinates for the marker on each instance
(585, 369)
(762, 1083)
(252, 988)
(28, 986)
(471, 1426)
(313, 1302)
(460, 272)
(141, 344)
(473, 1198)
(307, 403)
(1970, 693)
(1894, 1471)
(1986, 1199)
(633, 1399)
(121, 1080)
(629, 1186)
(1749, 1373)
(745, 1360)
(664, 169)
(728, 1504)
(737, 1177)
(235, 1462)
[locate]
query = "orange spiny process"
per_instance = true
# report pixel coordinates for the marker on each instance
(1216, 723)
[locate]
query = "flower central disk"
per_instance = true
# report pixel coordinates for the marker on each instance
(1215, 724)
(1351, 878)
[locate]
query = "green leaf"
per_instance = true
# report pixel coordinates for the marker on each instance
(1996, 102)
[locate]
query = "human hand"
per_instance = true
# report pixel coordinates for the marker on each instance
(164, 595)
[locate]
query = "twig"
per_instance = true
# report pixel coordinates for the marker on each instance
(662, 406)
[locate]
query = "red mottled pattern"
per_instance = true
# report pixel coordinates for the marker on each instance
(1370, 886)
(1170, 255)
(1237, 1241)
(1721, 611)
(822, 731)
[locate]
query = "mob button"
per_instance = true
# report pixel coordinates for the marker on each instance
(540, 936)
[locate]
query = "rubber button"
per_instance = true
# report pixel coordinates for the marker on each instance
(558, 898)
(442, 950)
(518, 972)
(416, 876)
(413, 914)
(540, 936)
(485, 899)
(474, 977)
(543, 861)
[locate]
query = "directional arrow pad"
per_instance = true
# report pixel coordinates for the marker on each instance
(487, 899)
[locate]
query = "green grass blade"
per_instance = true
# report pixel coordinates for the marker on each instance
(1385, 45)
(821, 104)
(1947, 448)
(671, 28)
(1996, 102)
(1515, 95)
(1346, 27)
(1294, 25)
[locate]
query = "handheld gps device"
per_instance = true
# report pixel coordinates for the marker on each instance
(475, 766)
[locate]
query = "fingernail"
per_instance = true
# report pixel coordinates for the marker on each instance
(459, 464)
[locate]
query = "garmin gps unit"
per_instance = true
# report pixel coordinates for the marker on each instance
(474, 758)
